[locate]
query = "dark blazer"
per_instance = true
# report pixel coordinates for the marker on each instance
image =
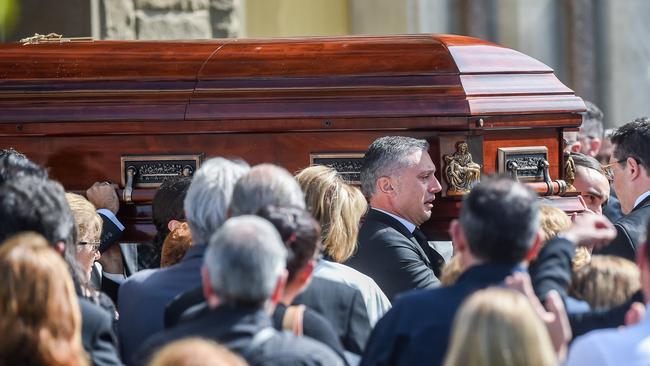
(629, 230)
(143, 296)
(417, 329)
(389, 254)
(97, 334)
(343, 307)
(236, 328)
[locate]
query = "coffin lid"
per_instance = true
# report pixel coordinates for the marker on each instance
(320, 77)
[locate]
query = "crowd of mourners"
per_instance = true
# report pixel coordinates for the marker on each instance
(252, 265)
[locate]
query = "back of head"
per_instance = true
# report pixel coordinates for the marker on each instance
(167, 205)
(245, 259)
(208, 197)
(506, 332)
(265, 184)
(385, 156)
(592, 122)
(500, 219)
(632, 140)
(299, 231)
(39, 205)
(87, 220)
(176, 244)
(196, 352)
(338, 207)
(14, 165)
(39, 312)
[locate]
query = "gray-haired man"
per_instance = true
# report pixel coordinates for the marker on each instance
(398, 178)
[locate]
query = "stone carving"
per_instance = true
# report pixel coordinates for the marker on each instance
(461, 172)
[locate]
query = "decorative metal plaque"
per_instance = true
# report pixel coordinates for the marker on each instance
(347, 164)
(149, 171)
(524, 162)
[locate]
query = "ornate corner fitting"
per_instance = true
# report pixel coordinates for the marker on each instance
(461, 172)
(569, 172)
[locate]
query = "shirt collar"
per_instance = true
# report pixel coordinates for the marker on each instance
(641, 198)
(407, 224)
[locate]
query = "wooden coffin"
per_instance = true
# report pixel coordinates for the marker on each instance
(84, 108)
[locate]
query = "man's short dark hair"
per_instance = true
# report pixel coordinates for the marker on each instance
(299, 231)
(500, 218)
(14, 165)
(167, 205)
(587, 162)
(633, 140)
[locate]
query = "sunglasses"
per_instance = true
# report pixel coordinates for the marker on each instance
(94, 246)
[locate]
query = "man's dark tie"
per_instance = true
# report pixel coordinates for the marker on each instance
(437, 262)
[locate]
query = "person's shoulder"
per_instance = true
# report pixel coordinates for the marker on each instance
(287, 349)
(92, 313)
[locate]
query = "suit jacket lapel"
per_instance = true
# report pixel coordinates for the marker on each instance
(382, 217)
(644, 203)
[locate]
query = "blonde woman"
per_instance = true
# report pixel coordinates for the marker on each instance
(607, 281)
(339, 207)
(89, 229)
(498, 326)
(39, 311)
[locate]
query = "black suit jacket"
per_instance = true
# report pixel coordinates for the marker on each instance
(343, 307)
(240, 329)
(97, 334)
(391, 256)
(629, 231)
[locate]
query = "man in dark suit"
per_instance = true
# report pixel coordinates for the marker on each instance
(497, 228)
(630, 168)
(143, 296)
(397, 176)
(243, 278)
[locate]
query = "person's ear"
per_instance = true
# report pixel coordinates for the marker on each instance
(634, 168)
(385, 185)
(173, 224)
(576, 147)
(458, 239)
(210, 296)
(307, 271)
(59, 246)
(594, 146)
(536, 247)
(276, 296)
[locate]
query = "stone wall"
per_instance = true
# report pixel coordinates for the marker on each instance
(168, 19)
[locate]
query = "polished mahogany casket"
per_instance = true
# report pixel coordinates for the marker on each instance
(136, 112)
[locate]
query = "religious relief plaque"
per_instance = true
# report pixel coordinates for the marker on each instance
(347, 164)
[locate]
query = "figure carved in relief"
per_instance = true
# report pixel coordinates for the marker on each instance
(462, 172)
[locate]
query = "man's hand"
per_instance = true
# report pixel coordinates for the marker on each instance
(555, 319)
(591, 230)
(103, 195)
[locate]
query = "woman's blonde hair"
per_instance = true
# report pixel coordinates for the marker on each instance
(607, 281)
(337, 206)
(498, 326)
(87, 220)
(39, 313)
(196, 352)
(554, 221)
